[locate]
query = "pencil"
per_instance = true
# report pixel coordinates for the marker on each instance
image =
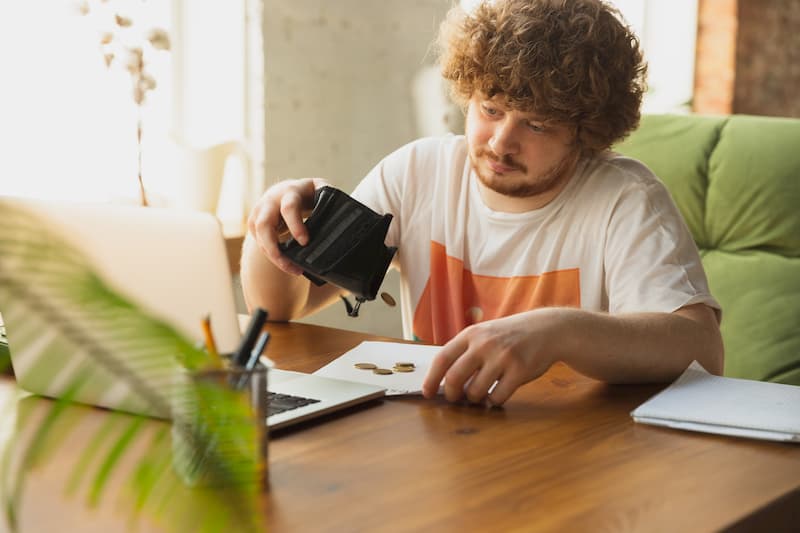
(211, 346)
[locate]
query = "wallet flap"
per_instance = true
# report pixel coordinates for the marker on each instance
(346, 244)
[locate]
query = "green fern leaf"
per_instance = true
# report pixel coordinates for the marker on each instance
(127, 353)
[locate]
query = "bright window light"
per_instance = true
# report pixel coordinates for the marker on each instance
(667, 31)
(68, 123)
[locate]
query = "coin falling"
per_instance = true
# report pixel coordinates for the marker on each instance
(382, 371)
(404, 363)
(403, 369)
(386, 297)
(366, 366)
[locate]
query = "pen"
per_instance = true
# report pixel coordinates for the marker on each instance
(211, 346)
(261, 345)
(242, 354)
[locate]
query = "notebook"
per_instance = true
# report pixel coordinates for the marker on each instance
(174, 265)
(699, 401)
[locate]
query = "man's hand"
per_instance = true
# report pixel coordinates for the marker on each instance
(281, 209)
(269, 279)
(626, 348)
(510, 351)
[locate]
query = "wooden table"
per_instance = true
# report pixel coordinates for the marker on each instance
(562, 455)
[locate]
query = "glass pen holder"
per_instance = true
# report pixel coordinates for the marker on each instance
(219, 427)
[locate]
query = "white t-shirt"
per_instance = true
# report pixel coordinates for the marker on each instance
(612, 240)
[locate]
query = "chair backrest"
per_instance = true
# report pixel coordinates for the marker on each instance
(736, 180)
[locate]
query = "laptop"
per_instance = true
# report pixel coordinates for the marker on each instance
(173, 264)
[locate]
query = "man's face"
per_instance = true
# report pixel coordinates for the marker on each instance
(516, 153)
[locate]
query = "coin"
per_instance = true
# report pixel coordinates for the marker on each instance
(403, 363)
(386, 297)
(366, 366)
(382, 371)
(403, 369)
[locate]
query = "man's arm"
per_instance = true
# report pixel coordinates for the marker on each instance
(645, 347)
(626, 348)
(286, 296)
(269, 279)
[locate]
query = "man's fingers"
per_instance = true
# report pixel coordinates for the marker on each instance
(478, 388)
(505, 387)
(292, 216)
(266, 234)
(461, 372)
(441, 364)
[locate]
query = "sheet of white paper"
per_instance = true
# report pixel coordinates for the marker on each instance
(385, 355)
(699, 401)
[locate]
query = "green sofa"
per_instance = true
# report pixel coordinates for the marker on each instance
(736, 180)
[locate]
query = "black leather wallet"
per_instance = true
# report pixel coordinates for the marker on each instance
(345, 246)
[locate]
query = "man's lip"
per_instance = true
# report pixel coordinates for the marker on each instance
(498, 167)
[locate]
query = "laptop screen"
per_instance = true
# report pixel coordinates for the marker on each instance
(171, 264)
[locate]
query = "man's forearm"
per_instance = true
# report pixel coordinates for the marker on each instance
(264, 285)
(642, 347)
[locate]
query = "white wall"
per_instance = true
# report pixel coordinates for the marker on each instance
(338, 98)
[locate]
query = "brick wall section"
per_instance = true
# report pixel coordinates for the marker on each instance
(748, 57)
(768, 58)
(715, 61)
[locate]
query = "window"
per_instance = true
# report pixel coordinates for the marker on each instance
(69, 123)
(667, 31)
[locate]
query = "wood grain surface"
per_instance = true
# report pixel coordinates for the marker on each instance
(563, 455)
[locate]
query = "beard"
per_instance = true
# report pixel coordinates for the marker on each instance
(524, 186)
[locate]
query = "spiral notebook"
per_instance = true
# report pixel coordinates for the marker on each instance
(699, 401)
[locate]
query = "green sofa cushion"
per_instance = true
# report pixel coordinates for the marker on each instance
(754, 189)
(678, 151)
(736, 181)
(760, 320)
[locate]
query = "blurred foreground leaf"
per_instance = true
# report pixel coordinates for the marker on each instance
(69, 310)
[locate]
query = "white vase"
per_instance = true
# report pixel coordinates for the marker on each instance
(200, 173)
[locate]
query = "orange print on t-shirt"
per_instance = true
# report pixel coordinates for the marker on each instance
(455, 298)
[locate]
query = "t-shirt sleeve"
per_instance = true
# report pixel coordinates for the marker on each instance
(382, 190)
(651, 261)
(402, 182)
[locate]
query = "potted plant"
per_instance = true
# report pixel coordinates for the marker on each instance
(49, 282)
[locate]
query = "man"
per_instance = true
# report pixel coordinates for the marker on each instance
(526, 241)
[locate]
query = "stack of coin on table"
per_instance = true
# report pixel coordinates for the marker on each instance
(398, 367)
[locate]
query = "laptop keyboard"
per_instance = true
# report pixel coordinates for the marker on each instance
(280, 403)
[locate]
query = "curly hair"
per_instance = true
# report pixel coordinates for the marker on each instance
(574, 62)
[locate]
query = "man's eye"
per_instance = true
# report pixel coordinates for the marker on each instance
(536, 128)
(490, 111)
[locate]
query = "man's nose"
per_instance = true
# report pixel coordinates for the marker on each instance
(504, 139)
